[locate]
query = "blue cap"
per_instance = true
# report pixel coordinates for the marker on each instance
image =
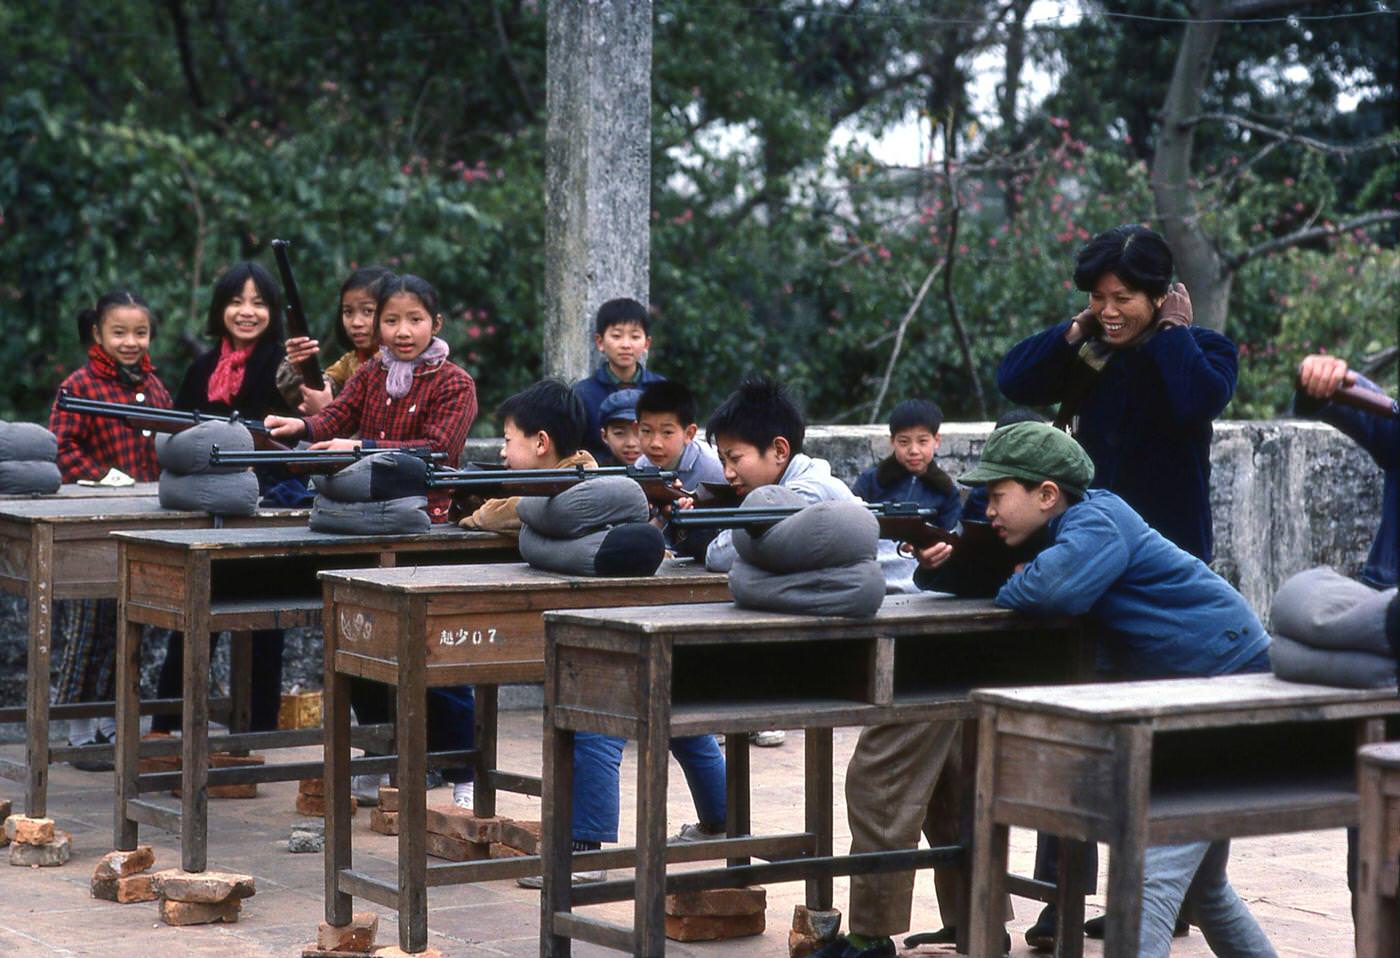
(619, 405)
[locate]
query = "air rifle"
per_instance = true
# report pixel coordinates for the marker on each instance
(492, 482)
(309, 368)
(151, 419)
(314, 460)
(1367, 400)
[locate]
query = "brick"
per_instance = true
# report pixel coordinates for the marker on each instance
(388, 798)
(463, 823)
(712, 928)
(49, 855)
(5, 809)
(225, 760)
(385, 823)
(29, 831)
(394, 951)
(199, 913)
(718, 902)
(316, 805)
(119, 864)
(203, 887)
(299, 710)
(311, 951)
(158, 763)
(523, 836)
(312, 786)
(127, 890)
(499, 850)
(456, 849)
(356, 937)
(822, 925)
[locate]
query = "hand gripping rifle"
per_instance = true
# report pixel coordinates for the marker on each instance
(151, 419)
(309, 368)
(493, 482)
(315, 460)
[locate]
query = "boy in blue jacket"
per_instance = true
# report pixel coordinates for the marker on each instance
(908, 473)
(622, 333)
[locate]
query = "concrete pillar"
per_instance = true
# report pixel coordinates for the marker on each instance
(597, 171)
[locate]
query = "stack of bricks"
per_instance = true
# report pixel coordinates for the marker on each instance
(311, 798)
(458, 835)
(716, 915)
(171, 763)
(299, 710)
(384, 818)
(345, 941)
(201, 898)
(123, 876)
(811, 930)
(34, 843)
(517, 838)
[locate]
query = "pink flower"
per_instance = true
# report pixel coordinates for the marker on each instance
(962, 249)
(474, 331)
(883, 253)
(1288, 181)
(1065, 284)
(992, 242)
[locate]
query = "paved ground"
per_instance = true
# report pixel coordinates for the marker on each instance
(1294, 884)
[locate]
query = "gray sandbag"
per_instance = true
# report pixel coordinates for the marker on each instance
(187, 452)
(217, 493)
(591, 505)
(27, 442)
(376, 478)
(630, 549)
(404, 516)
(1295, 662)
(823, 535)
(29, 477)
(1324, 609)
(856, 590)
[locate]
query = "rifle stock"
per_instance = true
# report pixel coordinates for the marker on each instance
(309, 368)
(151, 419)
(490, 482)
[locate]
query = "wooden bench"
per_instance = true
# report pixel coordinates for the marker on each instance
(1135, 764)
(1378, 879)
(652, 673)
(432, 626)
(202, 582)
(60, 547)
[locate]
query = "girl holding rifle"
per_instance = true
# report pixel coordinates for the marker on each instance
(354, 331)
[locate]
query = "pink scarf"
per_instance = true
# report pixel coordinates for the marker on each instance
(227, 377)
(400, 377)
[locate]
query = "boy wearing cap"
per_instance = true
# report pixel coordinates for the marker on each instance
(618, 430)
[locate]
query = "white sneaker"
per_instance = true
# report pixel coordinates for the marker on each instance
(82, 731)
(696, 832)
(464, 794)
(365, 788)
(771, 739)
(579, 878)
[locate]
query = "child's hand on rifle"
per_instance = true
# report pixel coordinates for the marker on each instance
(301, 348)
(314, 400)
(935, 555)
(285, 427)
(1320, 376)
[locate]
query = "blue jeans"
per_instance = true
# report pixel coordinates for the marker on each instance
(597, 761)
(1191, 879)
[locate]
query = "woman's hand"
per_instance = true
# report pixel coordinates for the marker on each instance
(1083, 326)
(284, 427)
(935, 555)
(301, 348)
(1320, 376)
(347, 444)
(314, 400)
(1176, 307)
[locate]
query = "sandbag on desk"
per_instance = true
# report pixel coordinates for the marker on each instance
(823, 535)
(376, 478)
(591, 505)
(217, 493)
(857, 589)
(29, 477)
(187, 452)
(630, 549)
(405, 516)
(1295, 662)
(1324, 609)
(26, 442)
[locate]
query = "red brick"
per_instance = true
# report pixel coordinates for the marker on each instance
(315, 805)
(394, 951)
(710, 928)
(463, 823)
(499, 850)
(822, 925)
(199, 913)
(29, 831)
(312, 786)
(521, 835)
(119, 864)
(127, 890)
(203, 887)
(718, 902)
(388, 798)
(48, 855)
(385, 823)
(356, 937)
(456, 849)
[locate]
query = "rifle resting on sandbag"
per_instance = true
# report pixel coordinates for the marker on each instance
(490, 481)
(151, 419)
(315, 460)
(309, 367)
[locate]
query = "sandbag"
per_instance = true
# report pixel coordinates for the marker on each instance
(856, 590)
(1295, 662)
(822, 536)
(376, 478)
(27, 442)
(187, 453)
(630, 549)
(404, 516)
(591, 505)
(1324, 609)
(29, 477)
(219, 494)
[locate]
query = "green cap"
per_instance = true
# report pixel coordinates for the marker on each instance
(1036, 452)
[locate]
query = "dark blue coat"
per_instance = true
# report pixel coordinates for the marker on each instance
(1145, 421)
(594, 390)
(888, 481)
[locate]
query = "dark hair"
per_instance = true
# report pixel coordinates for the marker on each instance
(1140, 257)
(1020, 414)
(758, 412)
(230, 285)
(667, 395)
(366, 278)
(913, 413)
(617, 311)
(90, 319)
(1031, 485)
(416, 286)
(550, 407)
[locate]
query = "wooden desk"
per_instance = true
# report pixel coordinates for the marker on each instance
(1378, 880)
(418, 628)
(652, 673)
(1135, 764)
(59, 547)
(203, 581)
(71, 490)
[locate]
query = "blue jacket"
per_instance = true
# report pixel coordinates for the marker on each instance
(888, 481)
(1161, 612)
(594, 390)
(1381, 438)
(1145, 421)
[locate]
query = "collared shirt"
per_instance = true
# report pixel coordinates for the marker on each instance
(88, 446)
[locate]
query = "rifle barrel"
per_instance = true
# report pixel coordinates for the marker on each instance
(243, 457)
(309, 368)
(134, 411)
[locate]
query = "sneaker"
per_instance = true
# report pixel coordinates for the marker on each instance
(94, 764)
(697, 832)
(1094, 928)
(771, 739)
(365, 788)
(464, 794)
(579, 878)
(842, 948)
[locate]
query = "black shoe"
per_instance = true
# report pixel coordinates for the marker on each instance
(94, 764)
(842, 948)
(947, 935)
(1040, 937)
(1093, 928)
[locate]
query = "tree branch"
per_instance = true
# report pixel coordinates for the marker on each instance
(899, 339)
(1307, 234)
(950, 150)
(176, 9)
(1288, 136)
(526, 101)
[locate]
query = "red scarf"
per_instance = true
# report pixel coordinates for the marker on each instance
(227, 377)
(108, 368)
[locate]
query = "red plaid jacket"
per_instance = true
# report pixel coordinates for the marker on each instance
(437, 412)
(90, 445)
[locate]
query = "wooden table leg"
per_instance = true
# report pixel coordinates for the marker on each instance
(989, 849)
(819, 814)
(128, 714)
(737, 789)
(194, 744)
(240, 680)
(653, 755)
(412, 741)
(487, 698)
(40, 595)
(1069, 911)
(1132, 778)
(335, 719)
(557, 825)
(966, 743)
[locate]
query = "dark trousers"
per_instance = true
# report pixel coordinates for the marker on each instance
(1047, 863)
(265, 687)
(451, 717)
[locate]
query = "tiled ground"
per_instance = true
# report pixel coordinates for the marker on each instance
(1294, 884)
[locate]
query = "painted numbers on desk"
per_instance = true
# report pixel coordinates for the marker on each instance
(467, 636)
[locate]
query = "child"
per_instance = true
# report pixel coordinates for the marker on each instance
(622, 333)
(354, 331)
(666, 426)
(618, 414)
(117, 332)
